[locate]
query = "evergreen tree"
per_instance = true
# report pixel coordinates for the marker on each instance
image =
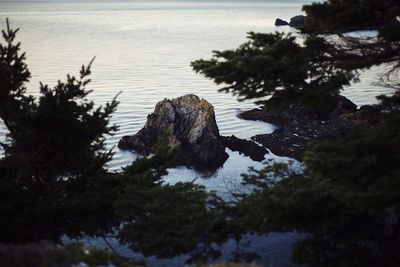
(54, 150)
(312, 71)
(275, 64)
(347, 200)
(168, 220)
(54, 180)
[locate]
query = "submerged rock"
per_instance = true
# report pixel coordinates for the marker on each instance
(191, 123)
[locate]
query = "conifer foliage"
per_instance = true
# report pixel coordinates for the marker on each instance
(347, 200)
(313, 68)
(54, 180)
(54, 148)
(275, 62)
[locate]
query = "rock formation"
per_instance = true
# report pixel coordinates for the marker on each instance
(296, 21)
(192, 126)
(280, 22)
(246, 147)
(300, 125)
(297, 113)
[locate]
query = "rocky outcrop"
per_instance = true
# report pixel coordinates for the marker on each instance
(246, 147)
(291, 140)
(192, 126)
(281, 22)
(299, 125)
(296, 21)
(299, 114)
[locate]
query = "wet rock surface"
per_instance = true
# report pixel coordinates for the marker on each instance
(298, 126)
(192, 126)
(246, 147)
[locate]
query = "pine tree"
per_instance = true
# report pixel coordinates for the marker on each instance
(311, 69)
(347, 200)
(54, 150)
(54, 180)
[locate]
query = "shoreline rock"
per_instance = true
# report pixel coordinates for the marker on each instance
(281, 22)
(191, 123)
(298, 126)
(296, 21)
(246, 147)
(192, 126)
(298, 114)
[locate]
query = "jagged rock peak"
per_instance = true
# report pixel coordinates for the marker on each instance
(191, 122)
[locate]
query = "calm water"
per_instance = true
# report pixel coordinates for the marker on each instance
(144, 49)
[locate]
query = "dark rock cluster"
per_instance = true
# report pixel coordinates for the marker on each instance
(246, 147)
(296, 21)
(297, 113)
(299, 125)
(280, 22)
(190, 122)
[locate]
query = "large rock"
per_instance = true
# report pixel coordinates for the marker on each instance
(191, 123)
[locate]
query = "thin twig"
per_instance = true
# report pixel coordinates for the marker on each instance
(109, 245)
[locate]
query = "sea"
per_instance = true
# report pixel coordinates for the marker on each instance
(143, 50)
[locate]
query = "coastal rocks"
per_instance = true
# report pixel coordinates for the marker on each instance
(190, 121)
(300, 125)
(297, 113)
(280, 22)
(192, 126)
(296, 21)
(246, 147)
(291, 141)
